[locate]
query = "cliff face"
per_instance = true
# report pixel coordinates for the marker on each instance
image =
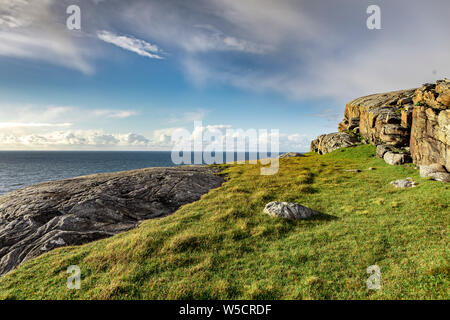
(414, 119)
(430, 131)
(378, 117)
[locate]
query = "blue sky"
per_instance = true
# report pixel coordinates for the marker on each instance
(137, 70)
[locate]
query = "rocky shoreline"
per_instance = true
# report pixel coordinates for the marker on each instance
(40, 218)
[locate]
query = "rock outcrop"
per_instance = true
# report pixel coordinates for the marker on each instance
(329, 142)
(379, 117)
(288, 210)
(39, 218)
(430, 131)
(415, 121)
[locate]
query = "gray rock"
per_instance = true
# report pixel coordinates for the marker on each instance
(291, 155)
(396, 158)
(382, 149)
(288, 210)
(435, 171)
(40, 218)
(440, 176)
(329, 142)
(403, 183)
(353, 123)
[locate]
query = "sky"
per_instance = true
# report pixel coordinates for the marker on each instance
(136, 71)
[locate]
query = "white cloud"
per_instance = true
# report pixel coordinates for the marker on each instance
(27, 115)
(206, 38)
(77, 139)
(9, 125)
(189, 116)
(223, 133)
(132, 44)
(30, 30)
(114, 114)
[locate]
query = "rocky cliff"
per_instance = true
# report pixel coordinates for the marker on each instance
(40, 218)
(415, 121)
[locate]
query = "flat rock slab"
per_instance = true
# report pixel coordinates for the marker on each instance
(403, 183)
(291, 155)
(40, 218)
(288, 210)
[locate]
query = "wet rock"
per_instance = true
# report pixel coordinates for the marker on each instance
(288, 210)
(40, 218)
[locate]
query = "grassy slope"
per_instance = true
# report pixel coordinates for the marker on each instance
(224, 247)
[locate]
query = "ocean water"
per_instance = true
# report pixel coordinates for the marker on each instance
(19, 169)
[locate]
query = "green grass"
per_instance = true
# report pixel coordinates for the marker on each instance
(224, 247)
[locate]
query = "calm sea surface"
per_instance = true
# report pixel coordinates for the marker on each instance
(19, 169)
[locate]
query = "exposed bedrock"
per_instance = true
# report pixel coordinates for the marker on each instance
(329, 142)
(413, 120)
(39, 218)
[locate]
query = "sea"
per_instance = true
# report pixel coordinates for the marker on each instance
(19, 169)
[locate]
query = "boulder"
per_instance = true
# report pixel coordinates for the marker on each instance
(403, 183)
(396, 158)
(291, 155)
(329, 142)
(435, 172)
(288, 210)
(440, 176)
(39, 218)
(382, 149)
